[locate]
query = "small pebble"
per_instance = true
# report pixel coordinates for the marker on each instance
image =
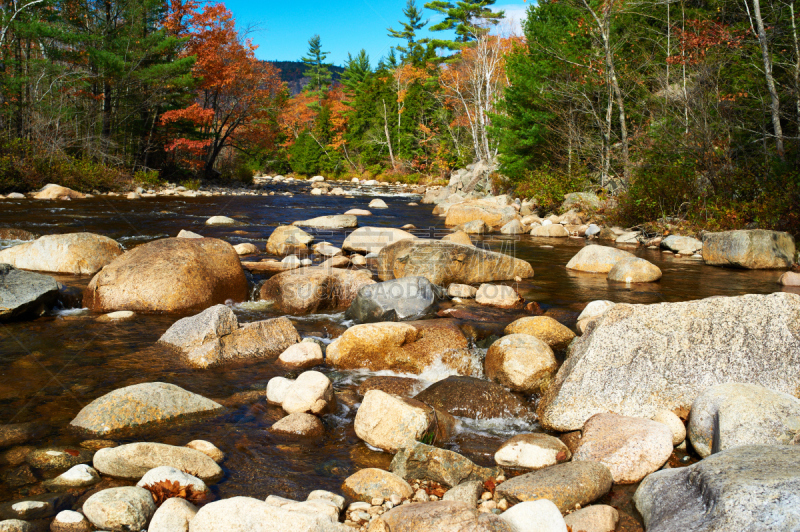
(486, 496)
(502, 505)
(500, 478)
(377, 501)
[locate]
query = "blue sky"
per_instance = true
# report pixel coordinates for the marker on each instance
(284, 26)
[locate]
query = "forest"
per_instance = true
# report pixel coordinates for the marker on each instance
(682, 110)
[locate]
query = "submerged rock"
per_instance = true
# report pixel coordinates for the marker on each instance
(406, 299)
(25, 294)
(638, 359)
(299, 424)
(755, 250)
(474, 398)
(140, 406)
(169, 275)
(74, 253)
(310, 290)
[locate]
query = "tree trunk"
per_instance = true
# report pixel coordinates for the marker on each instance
(775, 104)
(388, 137)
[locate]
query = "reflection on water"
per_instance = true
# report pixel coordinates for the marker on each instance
(52, 367)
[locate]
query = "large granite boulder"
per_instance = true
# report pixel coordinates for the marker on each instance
(421, 461)
(133, 460)
(406, 299)
(487, 211)
(288, 239)
(310, 290)
(374, 239)
(53, 191)
(475, 399)
(74, 253)
(597, 259)
(25, 294)
(141, 406)
(443, 263)
(634, 270)
(441, 516)
(754, 488)
(731, 415)
(245, 514)
(170, 275)
(638, 359)
(755, 250)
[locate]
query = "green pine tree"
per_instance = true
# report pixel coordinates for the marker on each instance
(316, 68)
(415, 51)
(469, 18)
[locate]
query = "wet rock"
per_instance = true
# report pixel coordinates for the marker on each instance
(175, 477)
(208, 449)
(474, 398)
(288, 239)
(377, 203)
(246, 249)
(475, 227)
(399, 386)
(170, 275)
(116, 316)
(565, 484)
(277, 388)
(299, 424)
(12, 233)
(19, 476)
(487, 211)
(597, 259)
(127, 508)
(421, 461)
(461, 290)
(337, 221)
(70, 521)
(639, 359)
(550, 231)
(730, 415)
(133, 460)
(514, 227)
(140, 406)
(678, 243)
(401, 347)
(755, 250)
(16, 525)
(37, 506)
(358, 212)
(310, 290)
(790, 279)
(25, 294)
(370, 483)
(532, 451)
(442, 516)
(630, 447)
(634, 270)
(595, 518)
(174, 515)
(311, 392)
(754, 487)
(19, 433)
(539, 516)
(74, 253)
(302, 355)
(443, 263)
(545, 329)
(244, 514)
(52, 191)
(220, 220)
(406, 299)
(458, 237)
(194, 331)
(79, 476)
(51, 458)
(391, 423)
(498, 295)
(674, 423)
(521, 362)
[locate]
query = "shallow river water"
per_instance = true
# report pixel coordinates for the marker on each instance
(53, 366)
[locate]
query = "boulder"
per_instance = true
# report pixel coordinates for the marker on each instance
(401, 347)
(133, 460)
(299, 424)
(288, 239)
(141, 406)
(337, 221)
(634, 270)
(374, 239)
(170, 275)
(443, 263)
(441, 516)
(406, 299)
(514, 227)
(532, 451)
(545, 329)
(392, 423)
(595, 518)
(539, 516)
(311, 392)
(459, 237)
(73, 253)
(462, 290)
(731, 415)
(753, 487)
(581, 200)
(754, 250)
(498, 295)
(377, 203)
(220, 220)
(487, 211)
(208, 449)
(12, 233)
(638, 359)
(301, 356)
(25, 294)
(421, 461)
(475, 399)
(245, 514)
(475, 227)
(174, 515)
(521, 362)
(678, 243)
(51, 191)
(167, 474)
(310, 290)
(246, 249)
(371, 483)
(630, 447)
(790, 279)
(597, 259)
(550, 231)
(126, 508)
(565, 484)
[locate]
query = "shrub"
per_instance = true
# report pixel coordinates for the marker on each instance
(148, 178)
(548, 188)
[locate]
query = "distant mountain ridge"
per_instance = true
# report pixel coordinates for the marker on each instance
(292, 73)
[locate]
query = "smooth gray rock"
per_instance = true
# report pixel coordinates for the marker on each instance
(125, 509)
(140, 406)
(638, 359)
(731, 415)
(25, 294)
(174, 515)
(755, 250)
(681, 243)
(194, 331)
(754, 488)
(440, 465)
(406, 299)
(467, 492)
(337, 221)
(133, 460)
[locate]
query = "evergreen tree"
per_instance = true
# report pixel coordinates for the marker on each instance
(316, 68)
(356, 71)
(414, 51)
(468, 18)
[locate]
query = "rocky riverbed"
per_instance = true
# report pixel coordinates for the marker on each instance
(362, 356)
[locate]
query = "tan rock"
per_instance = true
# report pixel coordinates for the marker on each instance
(73, 253)
(522, 362)
(634, 270)
(246, 249)
(370, 483)
(459, 237)
(288, 239)
(755, 249)
(461, 290)
(790, 279)
(311, 392)
(441, 516)
(545, 329)
(595, 518)
(532, 451)
(498, 295)
(337, 221)
(309, 290)
(597, 259)
(208, 449)
(302, 355)
(676, 426)
(52, 191)
(299, 424)
(492, 214)
(550, 231)
(373, 239)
